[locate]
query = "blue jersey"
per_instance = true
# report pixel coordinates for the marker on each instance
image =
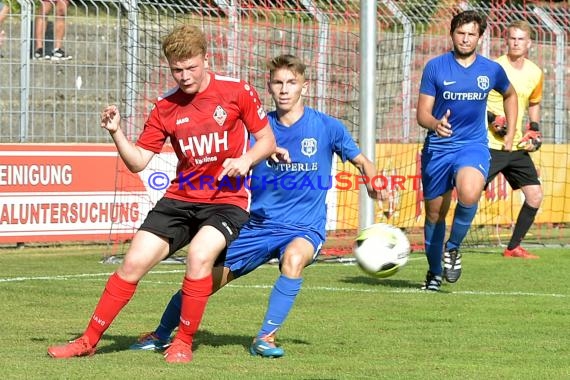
(464, 91)
(294, 193)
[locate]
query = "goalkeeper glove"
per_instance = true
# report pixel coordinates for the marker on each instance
(532, 139)
(498, 124)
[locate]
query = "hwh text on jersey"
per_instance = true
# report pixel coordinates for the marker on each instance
(205, 144)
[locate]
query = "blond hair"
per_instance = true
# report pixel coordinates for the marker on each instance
(522, 25)
(184, 42)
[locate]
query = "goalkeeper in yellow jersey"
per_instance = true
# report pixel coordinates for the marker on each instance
(517, 166)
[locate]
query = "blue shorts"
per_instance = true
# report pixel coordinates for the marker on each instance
(439, 168)
(257, 244)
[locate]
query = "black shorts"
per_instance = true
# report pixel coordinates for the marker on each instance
(180, 221)
(516, 166)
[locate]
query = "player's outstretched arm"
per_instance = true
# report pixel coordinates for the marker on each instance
(134, 157)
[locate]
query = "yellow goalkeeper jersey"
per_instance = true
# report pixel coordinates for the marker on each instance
(527, 82)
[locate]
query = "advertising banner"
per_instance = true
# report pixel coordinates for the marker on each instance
(52, 192)
(84, 192)
(400, 168)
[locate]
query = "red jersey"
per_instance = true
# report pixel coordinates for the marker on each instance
(205, 129)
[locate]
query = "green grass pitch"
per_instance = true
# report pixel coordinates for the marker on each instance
(504, 319)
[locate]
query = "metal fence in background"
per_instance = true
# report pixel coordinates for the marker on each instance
(115, 46)
(58, 102)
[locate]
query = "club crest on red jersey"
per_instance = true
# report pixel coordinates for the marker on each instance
(220, 115)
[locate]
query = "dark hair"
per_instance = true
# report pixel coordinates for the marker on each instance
(467, 17)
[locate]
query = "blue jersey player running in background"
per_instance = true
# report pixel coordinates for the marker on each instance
(452, 107)
(288, 211)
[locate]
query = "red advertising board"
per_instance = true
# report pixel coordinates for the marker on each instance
(53, 192)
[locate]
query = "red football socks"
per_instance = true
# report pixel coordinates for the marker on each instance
(116, 295)
(195, 295)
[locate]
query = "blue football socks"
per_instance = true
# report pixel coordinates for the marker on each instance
(281, 301)
(462, 220)
(434, 234)
(170, 317)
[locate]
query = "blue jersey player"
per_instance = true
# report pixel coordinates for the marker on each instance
(452, 107)
(288, 211)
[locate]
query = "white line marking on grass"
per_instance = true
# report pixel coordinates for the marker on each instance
(71, 276)
(314, 288)
(52, 278)
(466, 292)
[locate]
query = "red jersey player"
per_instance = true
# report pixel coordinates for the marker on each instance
(207, 118)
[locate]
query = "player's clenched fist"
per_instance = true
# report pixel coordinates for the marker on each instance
(443, 128)
(111, 119)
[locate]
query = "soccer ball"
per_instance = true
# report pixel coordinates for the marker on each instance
(381, 250)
